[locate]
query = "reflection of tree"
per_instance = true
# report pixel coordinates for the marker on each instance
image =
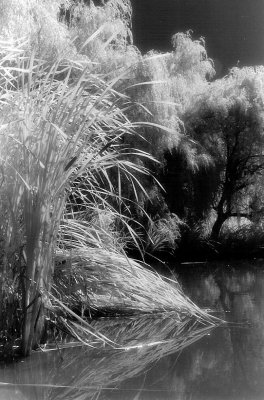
(11, 394)
(235, 353)
(247, 342)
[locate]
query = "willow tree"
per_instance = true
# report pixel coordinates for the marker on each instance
(36, 22)
(162, 85)
(109, 26)
(227, 122)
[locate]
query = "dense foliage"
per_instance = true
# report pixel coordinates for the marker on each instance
(88, 128)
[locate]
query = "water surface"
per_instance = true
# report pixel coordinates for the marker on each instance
(161, 362)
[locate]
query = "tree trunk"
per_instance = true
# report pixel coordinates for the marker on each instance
(221, 218)
(218, 225)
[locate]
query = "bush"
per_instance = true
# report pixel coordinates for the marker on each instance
(163, 234)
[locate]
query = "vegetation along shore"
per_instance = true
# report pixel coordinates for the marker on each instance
(110, 158)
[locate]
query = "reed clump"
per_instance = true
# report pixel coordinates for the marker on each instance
(97, 283)
(60, 132)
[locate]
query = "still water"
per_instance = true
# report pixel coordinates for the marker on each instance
(161, 362)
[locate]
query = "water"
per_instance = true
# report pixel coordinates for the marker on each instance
(161, 363)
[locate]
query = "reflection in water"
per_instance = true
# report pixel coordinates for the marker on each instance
(238, 352)
(144, 341)
(163, 360)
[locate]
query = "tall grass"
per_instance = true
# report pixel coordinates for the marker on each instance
(60, 125)
(92, 283)
(111, 281)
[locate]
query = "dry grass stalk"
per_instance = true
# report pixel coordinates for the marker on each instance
(95, 280)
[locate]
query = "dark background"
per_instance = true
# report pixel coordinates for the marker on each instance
(233, 29)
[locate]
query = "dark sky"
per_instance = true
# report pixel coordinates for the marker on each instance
(233, 29)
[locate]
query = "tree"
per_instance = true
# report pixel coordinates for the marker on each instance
(102, 34)
(36, 22)
(227, 122)
(162, 86)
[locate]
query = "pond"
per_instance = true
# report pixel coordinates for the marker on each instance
(195, 363)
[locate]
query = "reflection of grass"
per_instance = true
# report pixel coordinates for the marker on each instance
(81, 373)
(142, 351)
(97, 281)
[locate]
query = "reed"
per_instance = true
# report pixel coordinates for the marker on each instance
(92, 282)
(59, 124)
(99, 282)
